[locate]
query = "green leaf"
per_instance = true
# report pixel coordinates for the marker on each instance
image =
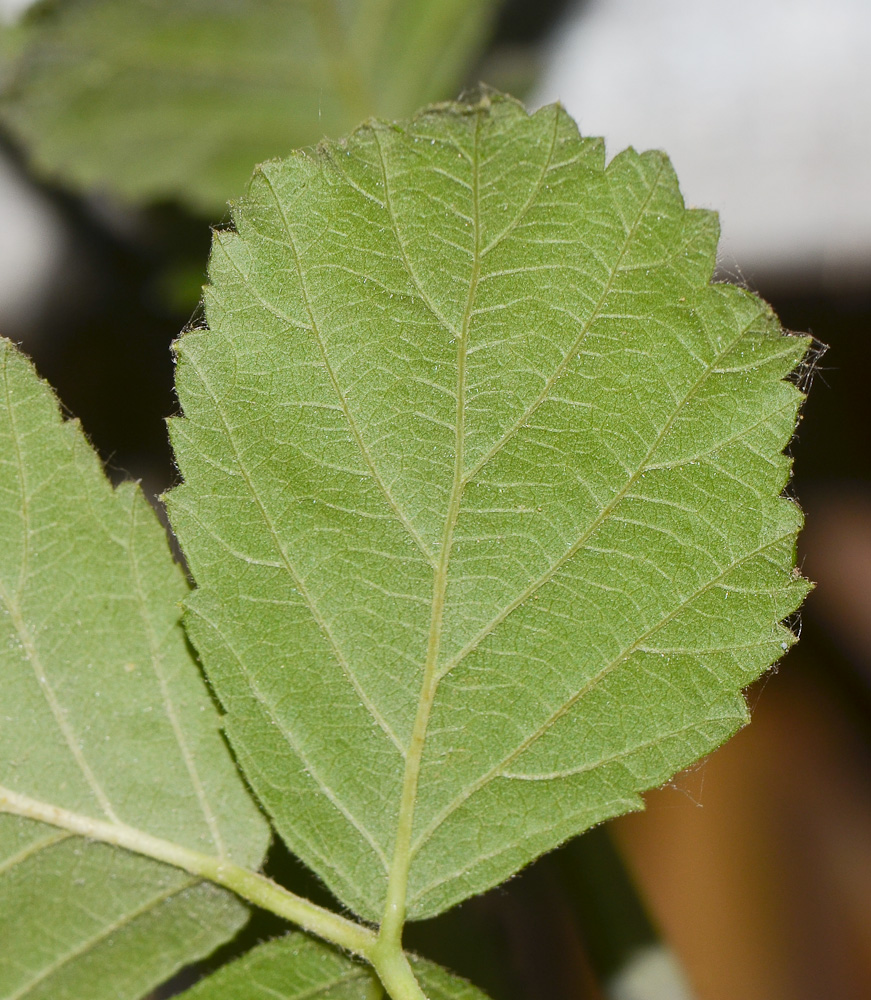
(176, 99)
(297, 968)
(482, 495)
(104, 715)
(439, 984)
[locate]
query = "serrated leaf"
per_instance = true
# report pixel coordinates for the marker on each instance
(103, 714)
(176, 99)
(297, 968)
(482, 495)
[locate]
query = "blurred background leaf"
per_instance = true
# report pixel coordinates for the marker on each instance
(177, 99)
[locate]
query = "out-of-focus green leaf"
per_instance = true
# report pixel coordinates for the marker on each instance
(103, 714)
(177, 99)
(482, 495)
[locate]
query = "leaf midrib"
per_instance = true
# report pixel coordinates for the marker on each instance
(397, 887)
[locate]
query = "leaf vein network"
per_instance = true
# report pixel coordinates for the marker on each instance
(289, 566)
(314, 329)
(27, 640)
(498, 769)
(156, 658)
(32, 849)
(599, 519)
(574, 348)
(97, 939)
(311, 770)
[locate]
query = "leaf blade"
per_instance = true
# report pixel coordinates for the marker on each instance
(297, 968)
(102, 700)
(120, 943)
(500, 423)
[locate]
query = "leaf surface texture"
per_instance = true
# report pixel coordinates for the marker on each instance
(297, 968)
(104, 714)
(482, 494)
(176, 99)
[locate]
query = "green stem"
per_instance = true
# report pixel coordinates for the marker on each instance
(247, 884)
(394, 971)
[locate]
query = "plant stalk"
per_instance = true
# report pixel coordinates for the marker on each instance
(395, 972)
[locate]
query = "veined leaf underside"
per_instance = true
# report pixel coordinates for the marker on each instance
(106, 719)
(476, 438)
(295, 967)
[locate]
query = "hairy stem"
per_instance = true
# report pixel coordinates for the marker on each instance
(394, 971)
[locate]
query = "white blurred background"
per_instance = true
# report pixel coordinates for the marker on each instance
(764, 107)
